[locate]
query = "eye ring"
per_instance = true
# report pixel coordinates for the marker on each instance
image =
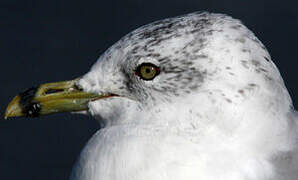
(147, 71)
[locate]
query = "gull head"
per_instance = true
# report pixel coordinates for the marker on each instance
(197, 66)
(192, 70)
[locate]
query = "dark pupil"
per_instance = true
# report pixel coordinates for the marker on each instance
(148, 70)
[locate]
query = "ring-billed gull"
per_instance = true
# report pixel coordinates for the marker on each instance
(195, 97)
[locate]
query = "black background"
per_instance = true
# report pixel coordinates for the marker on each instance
(54, 40)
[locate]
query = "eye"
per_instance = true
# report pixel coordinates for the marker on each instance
(147, 71)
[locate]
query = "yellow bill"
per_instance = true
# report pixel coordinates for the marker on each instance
(50, 98)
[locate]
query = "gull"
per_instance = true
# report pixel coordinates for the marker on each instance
(194, 97)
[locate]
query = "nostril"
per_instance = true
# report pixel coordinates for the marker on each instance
(52, 91)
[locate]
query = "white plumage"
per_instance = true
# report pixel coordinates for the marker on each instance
(218, 110)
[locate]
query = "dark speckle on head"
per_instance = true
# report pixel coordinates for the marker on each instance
(244, 64)
(228, 100)
(241, 40)
(255, 63)
(252, 85)
(241, 91)
(29, 107)
(246, 50)
(267, 59)
(236, 27)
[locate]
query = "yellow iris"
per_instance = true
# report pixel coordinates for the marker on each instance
(147, 71)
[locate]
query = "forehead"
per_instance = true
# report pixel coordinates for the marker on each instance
(180, 36)
(166, 36)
